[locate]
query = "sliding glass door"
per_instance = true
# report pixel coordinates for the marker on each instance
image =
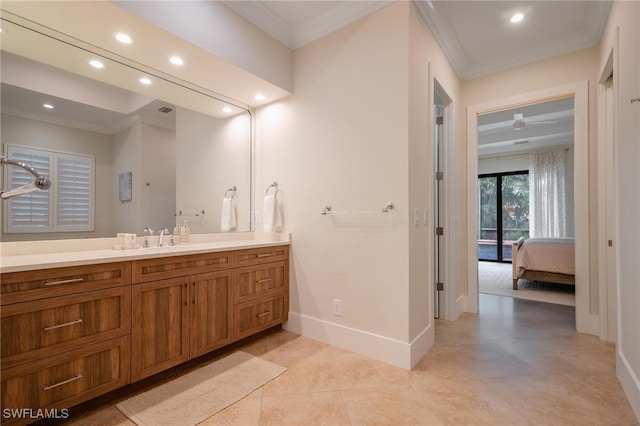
(503, 210)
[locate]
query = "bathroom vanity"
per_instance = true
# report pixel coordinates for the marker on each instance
(73, 332)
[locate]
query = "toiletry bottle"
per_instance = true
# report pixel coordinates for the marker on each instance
(185, 234)
(176, 234)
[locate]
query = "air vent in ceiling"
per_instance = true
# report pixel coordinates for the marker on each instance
(165, 109)
(520, 142)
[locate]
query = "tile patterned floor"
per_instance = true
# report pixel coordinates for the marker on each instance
(518, 363)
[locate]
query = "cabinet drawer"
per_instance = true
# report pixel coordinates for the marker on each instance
(31, 285)
(261, 280)
(65, 380)
(260, 255)
(252, 317)
(34, 330)
(180, 266)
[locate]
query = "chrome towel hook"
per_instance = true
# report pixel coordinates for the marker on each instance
(389, 206)
(233, 190)
(273, 185)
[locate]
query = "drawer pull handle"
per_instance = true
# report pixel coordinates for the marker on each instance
(265, 255)
(69, 281)
(266, 280)
(79, 376)
(263, 314)
(66, 324)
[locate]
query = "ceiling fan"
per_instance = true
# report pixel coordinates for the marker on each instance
(519, 123)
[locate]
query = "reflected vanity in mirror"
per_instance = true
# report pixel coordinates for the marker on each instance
(183, 146)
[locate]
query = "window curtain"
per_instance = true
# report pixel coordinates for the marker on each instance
(547, 194)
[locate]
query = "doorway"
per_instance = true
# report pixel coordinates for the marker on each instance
(585, 321)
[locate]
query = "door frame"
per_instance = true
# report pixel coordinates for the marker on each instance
(586, 322)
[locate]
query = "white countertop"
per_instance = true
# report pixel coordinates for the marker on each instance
(34, 255)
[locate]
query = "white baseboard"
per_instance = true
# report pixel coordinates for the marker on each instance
(630, 382)
(394, 352)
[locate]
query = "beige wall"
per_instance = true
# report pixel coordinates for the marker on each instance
(212, 155)
(623, 26)
(127, 157)
(39, 134)
(354, 135)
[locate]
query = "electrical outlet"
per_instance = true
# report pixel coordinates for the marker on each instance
(337, 307)
(416, 217)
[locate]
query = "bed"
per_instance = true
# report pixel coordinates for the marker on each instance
(544, 259)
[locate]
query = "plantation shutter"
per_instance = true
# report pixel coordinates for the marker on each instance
(74, 189)
(30, 212)
(65, 207)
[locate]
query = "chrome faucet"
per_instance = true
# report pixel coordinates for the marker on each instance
(163, 232)
(146, 240)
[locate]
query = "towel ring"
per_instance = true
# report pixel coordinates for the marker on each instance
(233, 191)
(273, 185)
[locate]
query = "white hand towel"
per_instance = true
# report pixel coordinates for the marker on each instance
(228, 217)
(271, 213)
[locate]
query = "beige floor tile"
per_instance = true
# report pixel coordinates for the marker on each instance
(388, 406)
(319, 408)
(245, 412)
(109, 416)
(466, 403)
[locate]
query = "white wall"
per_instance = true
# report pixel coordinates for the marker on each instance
(348, 137)
(39, 134)
(624, 17)
(158, 178)
(127, 157)
(212, 155)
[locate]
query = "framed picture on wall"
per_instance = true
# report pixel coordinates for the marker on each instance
(124, 187)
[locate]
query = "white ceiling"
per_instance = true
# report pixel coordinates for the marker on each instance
(476, 36)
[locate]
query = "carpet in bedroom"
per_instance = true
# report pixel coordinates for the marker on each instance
(495, 278)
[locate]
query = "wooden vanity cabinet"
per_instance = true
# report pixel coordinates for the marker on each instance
(73, 333)
(181, 309)
(65, 336)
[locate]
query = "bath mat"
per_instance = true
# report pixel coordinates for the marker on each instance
(196, 396)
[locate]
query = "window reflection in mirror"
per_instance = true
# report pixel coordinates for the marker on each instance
(182, 159)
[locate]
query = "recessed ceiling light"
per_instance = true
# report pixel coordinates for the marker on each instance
(260, 97)
(124, 38)
(47, 106)
(3, 31)
(517, 17)
(176, 60)
(226, 109)
(96, 63)
(145, 80)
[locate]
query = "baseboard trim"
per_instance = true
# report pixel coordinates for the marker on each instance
(630, 382)
(391, 351)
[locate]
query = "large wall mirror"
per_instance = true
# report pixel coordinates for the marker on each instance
(162, 153)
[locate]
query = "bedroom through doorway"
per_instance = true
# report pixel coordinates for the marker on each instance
(525, 189)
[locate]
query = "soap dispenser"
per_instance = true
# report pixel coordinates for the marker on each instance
(185, 234)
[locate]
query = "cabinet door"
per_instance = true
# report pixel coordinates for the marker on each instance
(160, 326)
(211, 302)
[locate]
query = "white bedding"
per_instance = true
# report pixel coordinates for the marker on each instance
(546, 254)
